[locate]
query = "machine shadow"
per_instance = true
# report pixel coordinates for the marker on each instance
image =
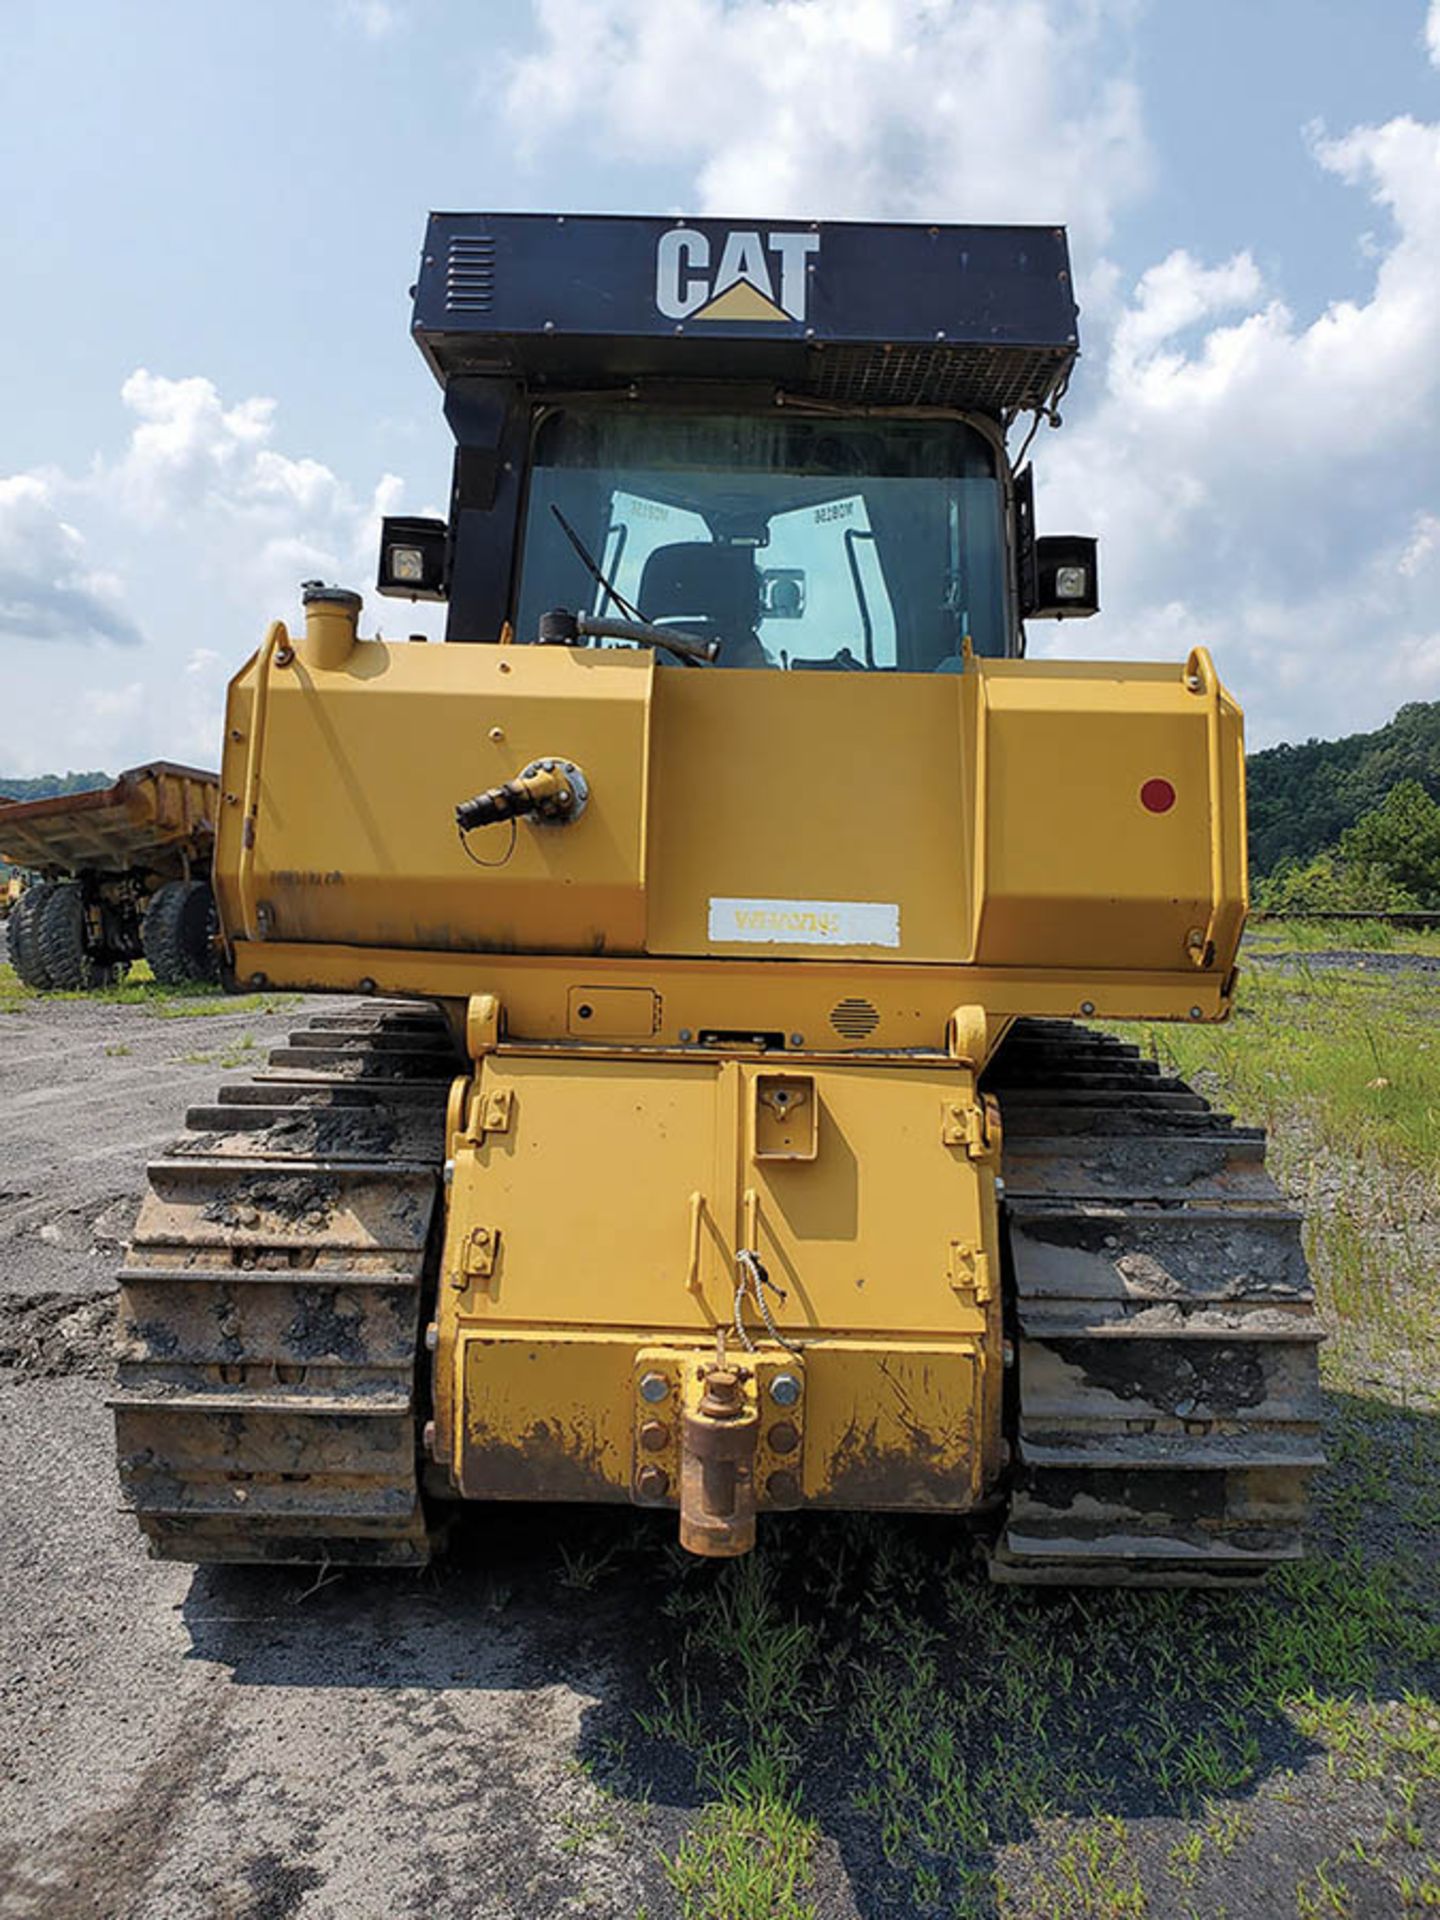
(921, 1718)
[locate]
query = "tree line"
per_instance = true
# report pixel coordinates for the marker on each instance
(1350, 824)
(45, 786)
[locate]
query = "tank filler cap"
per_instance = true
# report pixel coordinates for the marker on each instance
(315, 593)
(332, 617)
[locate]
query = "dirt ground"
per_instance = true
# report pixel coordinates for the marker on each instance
(175, 1744)
(473, 1743)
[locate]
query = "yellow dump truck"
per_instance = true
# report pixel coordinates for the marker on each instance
(115, 874)
(730, 891)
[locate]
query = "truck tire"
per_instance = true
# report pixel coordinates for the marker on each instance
(25, 918)
(179, 933)
(64, 944)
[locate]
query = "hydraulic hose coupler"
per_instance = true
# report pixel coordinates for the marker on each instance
(553, 791)
(717, 1467)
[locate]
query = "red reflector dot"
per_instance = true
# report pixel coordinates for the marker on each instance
(1157, 796)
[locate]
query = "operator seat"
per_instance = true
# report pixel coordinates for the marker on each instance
(710, 591)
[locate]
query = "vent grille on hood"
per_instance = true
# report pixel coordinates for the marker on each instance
(470, 274)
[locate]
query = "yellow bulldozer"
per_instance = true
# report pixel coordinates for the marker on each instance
(720, 1131)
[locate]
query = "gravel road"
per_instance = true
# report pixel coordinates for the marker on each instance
(226, 1744)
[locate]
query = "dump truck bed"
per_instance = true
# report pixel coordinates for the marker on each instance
(154, 817)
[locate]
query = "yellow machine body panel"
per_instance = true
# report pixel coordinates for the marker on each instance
(918, 826)
(362, 766)
(598, 1210)
(1070, 846)
(845, 761)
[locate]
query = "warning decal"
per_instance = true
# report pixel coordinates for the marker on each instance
(813, 923)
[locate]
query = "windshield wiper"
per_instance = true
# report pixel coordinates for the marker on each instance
(592, 567)
(634, 627)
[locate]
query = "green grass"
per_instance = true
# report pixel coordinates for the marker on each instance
(141, 989)
(1346, 1061)
(1007, 1753)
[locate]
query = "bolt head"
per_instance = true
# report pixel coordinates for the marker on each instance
(785, 1389)
(783, 1437)
(654, 1387)
(1087, 1006)
(652, 1483)
(1196, 1014)
(685, 1036)
(654, 1436)
(783, 1488)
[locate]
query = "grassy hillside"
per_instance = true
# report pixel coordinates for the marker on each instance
(1303, 798)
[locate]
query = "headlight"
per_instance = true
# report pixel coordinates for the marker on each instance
(408, 564)
(412, 557)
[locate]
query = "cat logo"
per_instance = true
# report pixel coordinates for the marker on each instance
(757, 279)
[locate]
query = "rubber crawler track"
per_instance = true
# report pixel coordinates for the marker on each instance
(271, 1300)
(1165, 1414)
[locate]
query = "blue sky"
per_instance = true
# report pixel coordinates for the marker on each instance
(213, 213)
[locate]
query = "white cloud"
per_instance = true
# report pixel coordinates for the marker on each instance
(209, 474)
(1267, 484)
(48, 588)
(1422, 546)
(211, 527)
(977, 109)
(373, 19)
(1432, 32)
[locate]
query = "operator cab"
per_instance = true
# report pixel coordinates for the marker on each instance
(783, 446)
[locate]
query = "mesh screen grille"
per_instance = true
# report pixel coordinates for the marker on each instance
(992, 379)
